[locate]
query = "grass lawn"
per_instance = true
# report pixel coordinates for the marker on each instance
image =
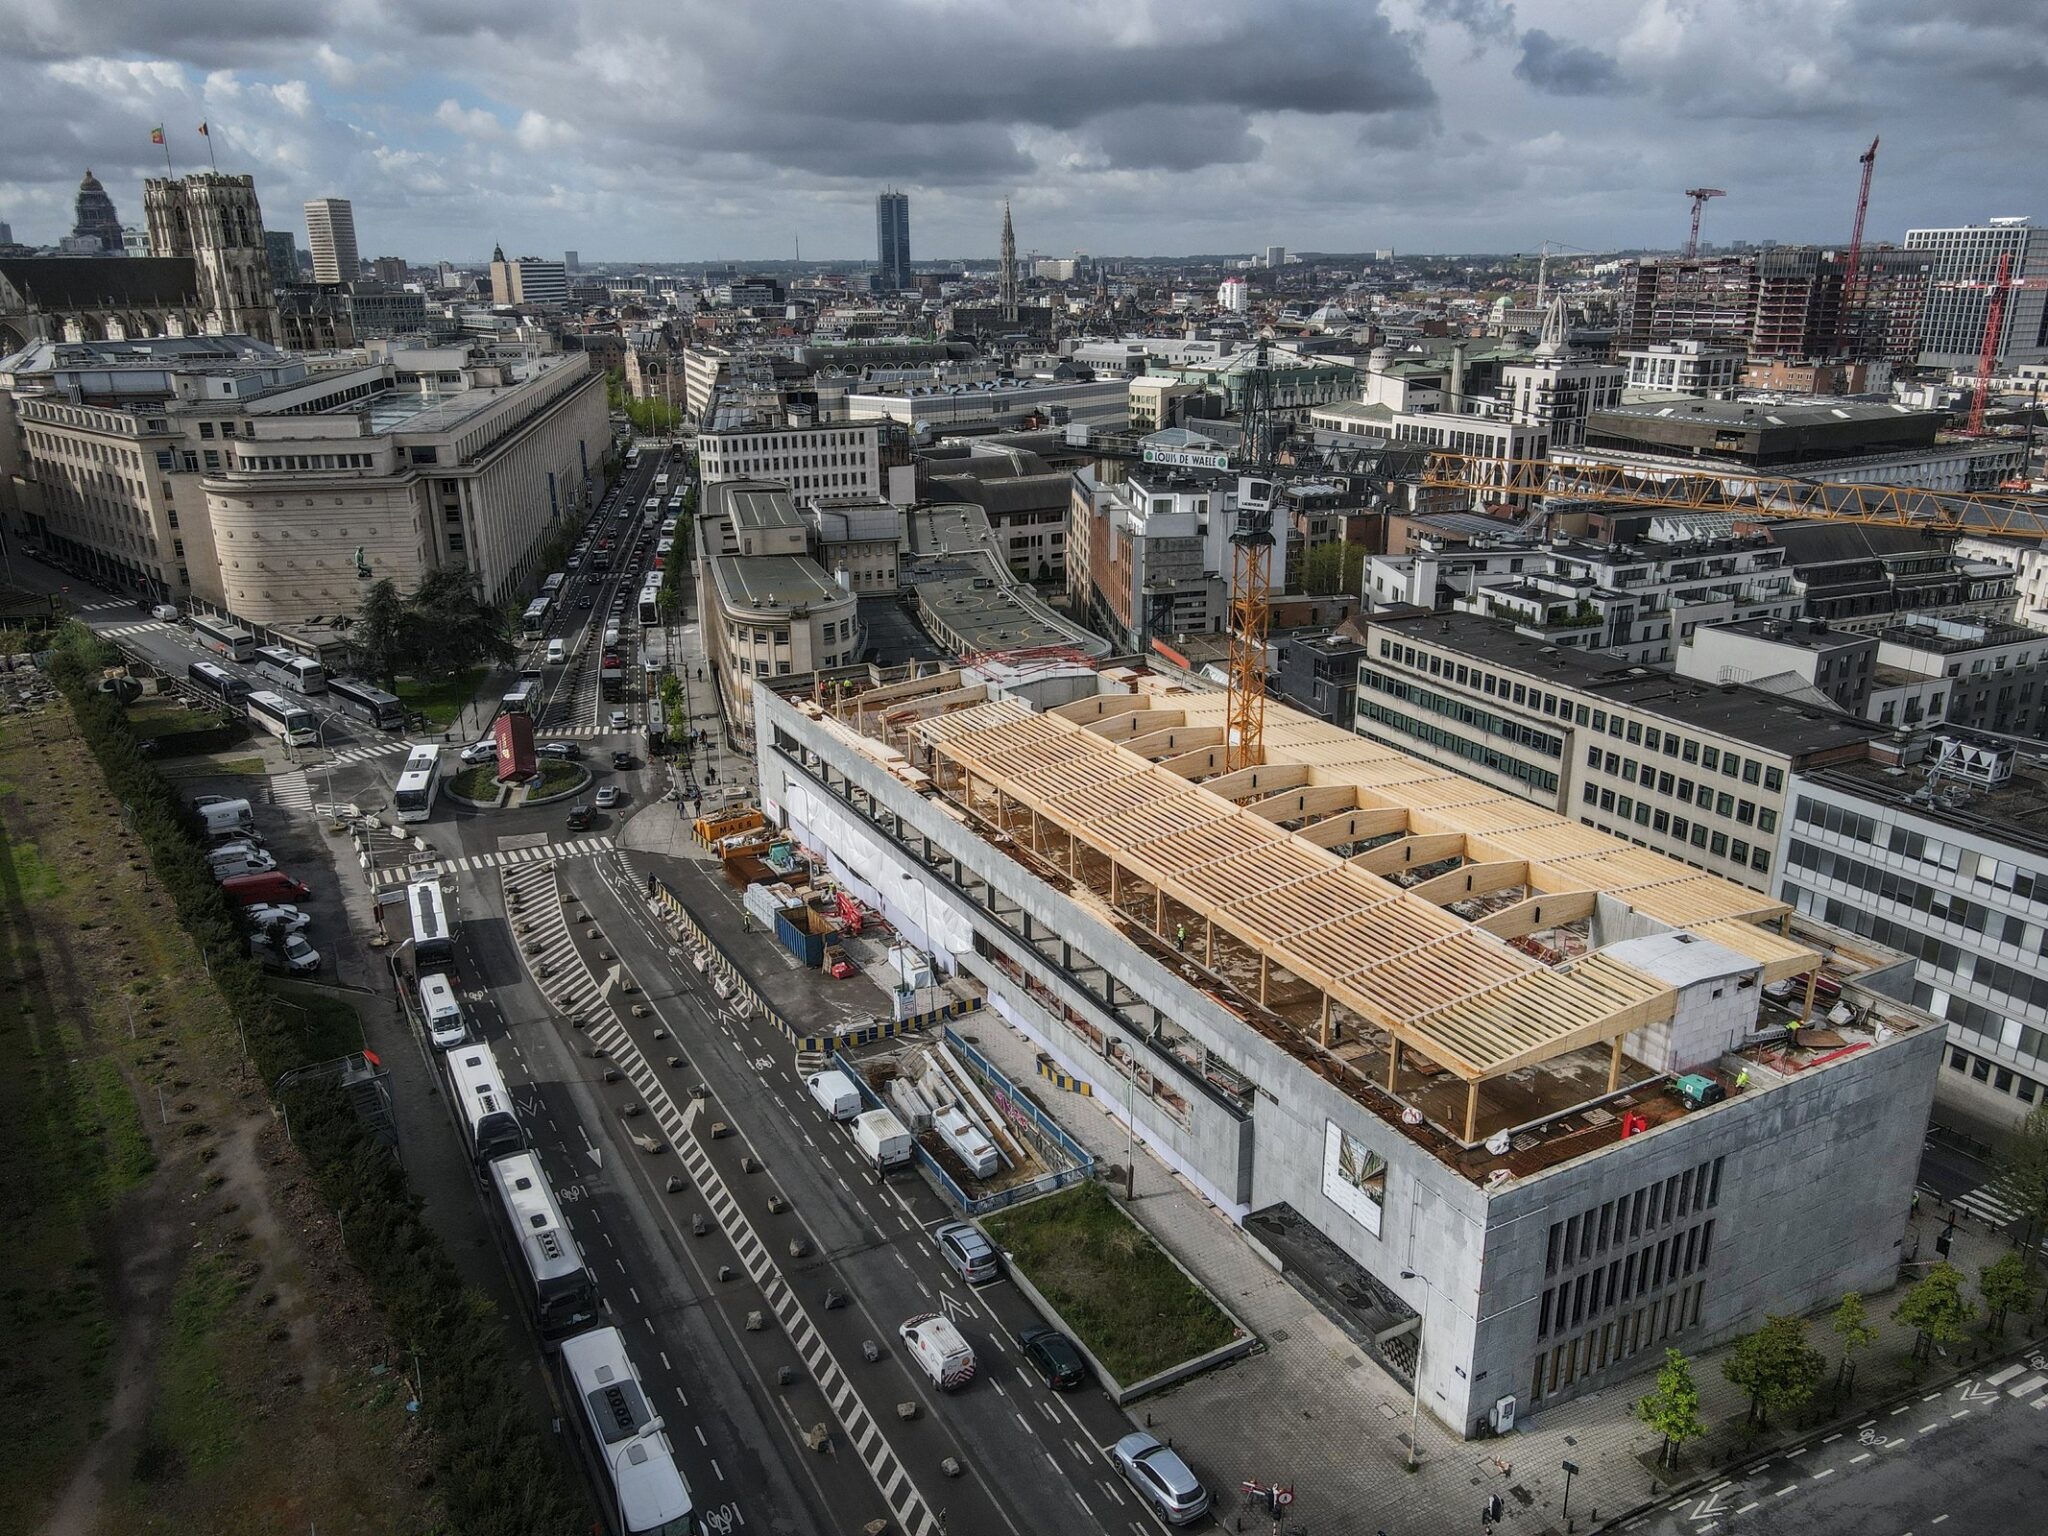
(166, 717)
(1111, 1284)
(442, 700)
(477, 782)
(251, 765)
(558, 776)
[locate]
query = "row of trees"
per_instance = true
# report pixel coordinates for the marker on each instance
(495, 1472)
(1782, 1371)
(1332, 568)
(441, 630)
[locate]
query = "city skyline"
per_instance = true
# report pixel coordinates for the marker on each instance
(1450, 125)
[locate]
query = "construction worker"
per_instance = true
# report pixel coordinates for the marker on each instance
(1180, 937)
(1742, 1080)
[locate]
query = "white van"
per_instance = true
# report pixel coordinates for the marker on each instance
(168, 612)
(835, 1094)
(240, 860)
(445, 1024)
(557, 653)
(881, 1139)
(225, 818)
(611, 636)
(940, 1350)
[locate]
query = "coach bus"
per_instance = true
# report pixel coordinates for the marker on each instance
(553, 584)
(644, 1491)
(489, 1122)
(650, 600)
(232, 641)
(418, 782)
(560, 1289)
(217, 681)
(293, 724)
(534, 622)
(433, 941)
(374, 706)
(288, 669)
(521, 700)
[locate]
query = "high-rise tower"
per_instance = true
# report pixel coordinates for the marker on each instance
(892, 241)
(331, 237)
(214, 218)
(1009, 275)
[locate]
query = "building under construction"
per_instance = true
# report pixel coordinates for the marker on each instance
(1420, 1037)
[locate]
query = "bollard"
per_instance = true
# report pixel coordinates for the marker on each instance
(777, 1205)
(699, 1226)
(676, 1184)
(748, 1165)
(725, 1272)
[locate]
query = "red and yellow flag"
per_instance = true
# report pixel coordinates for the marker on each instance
(203, 133)
(156, 134)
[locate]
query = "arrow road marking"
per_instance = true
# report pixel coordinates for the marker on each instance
(1707, 1508)
(1979, 1392)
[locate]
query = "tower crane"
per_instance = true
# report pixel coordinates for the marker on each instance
(1994, 326)
(1852, 295)
(1699, 196)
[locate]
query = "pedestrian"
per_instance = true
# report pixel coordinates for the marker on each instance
(1916, 1203)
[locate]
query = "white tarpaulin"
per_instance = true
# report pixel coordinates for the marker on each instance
(857, 857)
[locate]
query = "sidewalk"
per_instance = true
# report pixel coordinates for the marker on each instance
(1313, 1411)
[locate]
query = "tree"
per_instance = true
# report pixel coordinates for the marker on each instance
(452, 628)
(2006, 1286)
(1776, 1367)
(1935, 1310)
(2021, 1181)
(377, 638)
(1852, 1327)
(1333, 567)
(1672, 1408)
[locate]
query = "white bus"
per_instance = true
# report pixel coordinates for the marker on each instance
(219, 681)
(384, 710)
(440, 1011)
(559, 1287)
(418, 782)
(534, 622)
(433, 941)
(650, 600)
(520, 700)
(553, 584)
(232, 641)
(292, 723)
(662, 478)
(288, 669)
(488, 1119)
(645, 1494)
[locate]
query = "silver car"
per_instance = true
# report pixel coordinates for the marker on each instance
(1161, 1477)
(972, 1256)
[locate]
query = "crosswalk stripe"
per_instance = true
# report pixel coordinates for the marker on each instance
(1980, 1202)
(2033, 1383)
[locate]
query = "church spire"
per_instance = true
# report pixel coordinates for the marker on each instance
(1009, 272)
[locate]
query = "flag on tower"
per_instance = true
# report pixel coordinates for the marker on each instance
(156, 134)
(203, 133)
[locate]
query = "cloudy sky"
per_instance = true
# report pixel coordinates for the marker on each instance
(693, 129)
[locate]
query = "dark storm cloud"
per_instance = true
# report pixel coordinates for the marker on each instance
(1566, 68)
(1175, 139)
(213, 33)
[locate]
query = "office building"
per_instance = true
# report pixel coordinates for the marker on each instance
(390, 270)
(1941, 857)
(772, 609)
(1780, 654)
(892, 241)
(223, 472)
(1276, 257)
(331, 237)
(97, 228)
(1104, 404)
(1233, 295)
(1865, 576)
(1418, 1039)
(214, 220)
(1687, 366)
(6, 233)
(841, 462)
(1318, 675)
(1694, 770)
(571, 262)
(528, 280)
(1964, 263)
(282, 256)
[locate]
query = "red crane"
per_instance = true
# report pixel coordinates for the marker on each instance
(1994, 324)
(1851, 295)
(1699, 196)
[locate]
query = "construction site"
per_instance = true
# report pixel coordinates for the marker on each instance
(1403, 1027)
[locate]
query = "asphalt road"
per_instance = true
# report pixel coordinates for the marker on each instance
(1967, 1459)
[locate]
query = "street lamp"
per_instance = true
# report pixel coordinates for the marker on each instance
(1415, 1405)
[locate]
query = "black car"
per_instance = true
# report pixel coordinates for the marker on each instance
(1053, 1356)
(583, 601)
(622, 761)
(579, 818)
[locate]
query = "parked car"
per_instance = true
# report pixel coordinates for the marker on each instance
(265, 914)
(299, 957)
(480, 751)
(622, 761)
(270, 886)
(607, 797)
(561, 749)
(583, 601)
(579, 817)
(1053, 1356)
(972, 1256)
(1162, 1479)
(167, 612)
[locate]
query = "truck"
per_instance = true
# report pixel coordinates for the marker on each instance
(939, 1349)
(611, 679)
(881, 1139)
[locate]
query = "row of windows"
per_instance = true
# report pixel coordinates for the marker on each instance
(1572, 1302)
(287, 461)
(1556, 1369)
(1458, 746)
(1720, 802)
(1467, 714)
(1626, 1218)
(1720, 844)
(1929, 900)
(1976, 868)
(2004, 1079)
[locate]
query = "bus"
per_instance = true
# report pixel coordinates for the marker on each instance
(433, 941)
(218, 681)
(534, 622)
(635, 1467)
(477, 1088)
(292, 723)
(288, 669)
(553, 584)
(661, 480)
(632, 458)
(384, 710)
(521, 700)
(418, 782)
(650, 600)
(232, 641)
(560, 1289)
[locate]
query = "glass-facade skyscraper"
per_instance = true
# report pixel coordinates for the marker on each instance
(892, 240)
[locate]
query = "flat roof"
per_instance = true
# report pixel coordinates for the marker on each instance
(1768, 413)
(1801, 634)
(962, 582)
(1763, 720)
(2014, 813)
(773, 581)
(757, 506)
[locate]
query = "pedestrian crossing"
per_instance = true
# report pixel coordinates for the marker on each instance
(123, 631)
(291, 790)
(582, 847)
(106, 607)
(364, 753)
(1986, 1207)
